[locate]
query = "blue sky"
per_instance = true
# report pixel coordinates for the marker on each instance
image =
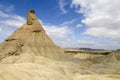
(70, 23)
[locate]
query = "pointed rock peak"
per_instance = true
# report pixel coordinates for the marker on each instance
(33, 22)
(31, 11)
(30, 39)
(31, 17)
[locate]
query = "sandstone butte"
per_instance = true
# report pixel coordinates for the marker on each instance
(29, 54)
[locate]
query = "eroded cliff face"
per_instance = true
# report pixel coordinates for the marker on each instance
(29, 54)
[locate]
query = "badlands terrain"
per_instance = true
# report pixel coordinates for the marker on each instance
(29, 54)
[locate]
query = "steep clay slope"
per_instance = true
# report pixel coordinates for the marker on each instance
(29, 54)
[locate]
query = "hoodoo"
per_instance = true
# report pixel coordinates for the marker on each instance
(30, 39)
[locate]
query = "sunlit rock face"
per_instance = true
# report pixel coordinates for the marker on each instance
(29, 54)
(30, 38)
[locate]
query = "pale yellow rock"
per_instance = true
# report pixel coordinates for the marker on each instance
(32, 39)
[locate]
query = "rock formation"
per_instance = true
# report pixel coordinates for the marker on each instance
(30, 38)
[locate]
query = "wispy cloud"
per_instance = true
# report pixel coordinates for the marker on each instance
(68, 22)
(0, 29)
(3, 15)
(7, 8)
(10, 19)
(79, 25)
(57, 32)
(62, 5)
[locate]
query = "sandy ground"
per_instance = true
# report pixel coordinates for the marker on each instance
(29, 67)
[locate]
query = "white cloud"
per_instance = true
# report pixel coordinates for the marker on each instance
(79, 25)
(3, 15)
(11, 20)
(0, 29)
(7, 8)
(68, 22)
(90, 44)
(57, 32)
(60, 34)
(101, 16)
(62, 5)
(97, 45)
(7, 18)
